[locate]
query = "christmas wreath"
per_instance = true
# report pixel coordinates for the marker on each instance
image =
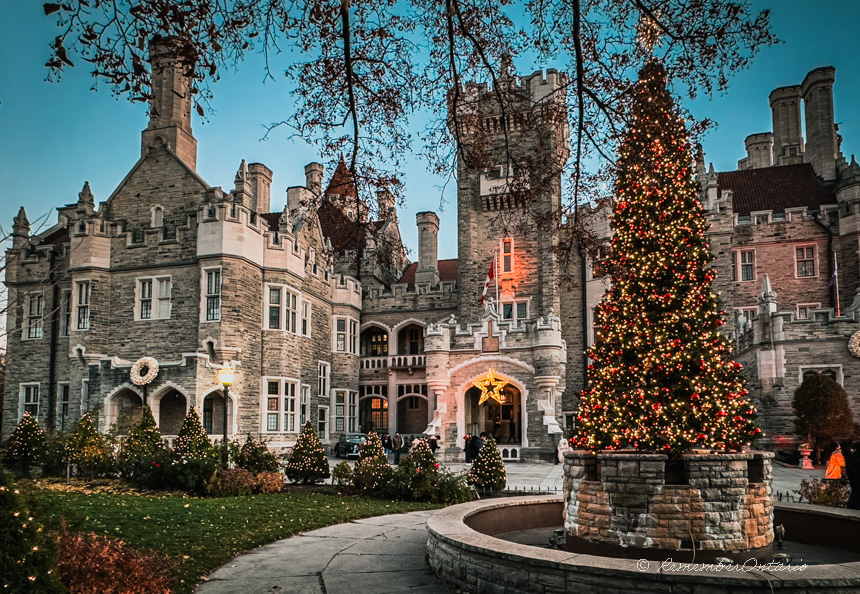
(151, 367)
(854, 344)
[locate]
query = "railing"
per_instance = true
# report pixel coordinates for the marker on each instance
(403, 361)
(373, 362)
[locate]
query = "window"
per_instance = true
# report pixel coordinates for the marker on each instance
(274, 306)
(747, 265)
(63, 403)
(292, 312)
(340, 335)
(304, 405)
(374, 405)
(804, 310)
(306, 317)
(85, 396)
(339, 410)
(345, 410)
(805, 259)
(65, 312)
(413, 341)
(322, 422)
(29, 400)
(353, 337)
(213, 295)
(280, 405)
(834, 372)
(153, 298)
(157, 216)
(35, 305)
(324, 373)
(515, 310)
(346, 336)
(598, 264)
(83, 295)
(313, 262)
(507, 255)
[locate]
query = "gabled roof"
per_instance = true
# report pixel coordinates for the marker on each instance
(775, 188)
(345, 233)
(447, 272)
(341, 183)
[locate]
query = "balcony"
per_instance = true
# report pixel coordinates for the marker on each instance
(406, 361)
(373, 362)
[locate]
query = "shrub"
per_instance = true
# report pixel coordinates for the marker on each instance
(143, 457)
(26, 555)
(269, 482)
(256, 457)
(55, 460)
(342, 474)
(99, 565)
(26, 446)
(89, 450)
(231, 482)
(371, 472)
(817, 492)
(192, 441)
(488, 471)
(822, 409)
(194, 459)
(419, 477)
(307, 462)
(450, 488)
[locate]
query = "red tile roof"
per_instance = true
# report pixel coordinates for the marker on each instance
(447, 272)
(776, 188)
(341, 182)
(272, 219)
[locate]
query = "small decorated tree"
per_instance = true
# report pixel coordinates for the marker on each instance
(307, 463)
(27, 555)
(89, 450)
(26, 445)
(822, 410)
(255, 457)
(143, 455)
(194, 458)
(488, 471)
(371, 472)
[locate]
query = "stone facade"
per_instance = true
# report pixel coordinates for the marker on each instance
(625, 504)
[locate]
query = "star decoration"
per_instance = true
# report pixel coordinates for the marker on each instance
(490, 388)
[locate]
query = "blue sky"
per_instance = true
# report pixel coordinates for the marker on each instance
(54, 136)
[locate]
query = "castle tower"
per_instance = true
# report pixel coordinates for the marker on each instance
(170, 109)
(759, 151)
(428, 231)
(787, 135)
(509, 176)
(821, 145)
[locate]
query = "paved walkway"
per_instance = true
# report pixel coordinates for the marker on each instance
(382, 554)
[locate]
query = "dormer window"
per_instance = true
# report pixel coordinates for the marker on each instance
(157, 216)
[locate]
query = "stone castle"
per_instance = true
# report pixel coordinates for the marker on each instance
(317, 327)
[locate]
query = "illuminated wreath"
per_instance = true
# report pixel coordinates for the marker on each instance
(854, 344)
(151, 366)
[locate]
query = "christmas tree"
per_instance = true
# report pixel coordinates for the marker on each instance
(192, 441)
(662, 377)
(143, 454)
(256, 458)
(372, 471)
(26, 445)
(307, 462)
(488, 471)
(89, 450)
(194, 458)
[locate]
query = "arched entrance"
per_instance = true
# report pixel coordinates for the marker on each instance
(500, 418)
(213, 414)
(172, 409)
(125, 409)
(412, 414)
(373, 408)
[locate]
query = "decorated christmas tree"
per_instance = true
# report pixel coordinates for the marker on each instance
(26, 445)
(488, 471)
(372, 471)
(143, 454)
(192, 441)
(307, 463)
(662, 377)
(255, 457)
(89, 450)
(195, 460)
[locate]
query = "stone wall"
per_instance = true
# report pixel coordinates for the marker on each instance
(721, 502)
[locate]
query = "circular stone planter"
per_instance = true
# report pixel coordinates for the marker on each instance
(464, 552)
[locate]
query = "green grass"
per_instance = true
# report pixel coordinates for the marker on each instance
(203, 534)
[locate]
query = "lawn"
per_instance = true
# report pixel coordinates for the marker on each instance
(202, 534)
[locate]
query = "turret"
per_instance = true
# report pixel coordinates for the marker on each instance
(759, 151)
(428, 231)
(20, 230)
(821, 144)
(261, 187)
(787, 135)
(170, 107)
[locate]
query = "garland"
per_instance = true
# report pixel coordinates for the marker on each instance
(854, 344)
(151, 366)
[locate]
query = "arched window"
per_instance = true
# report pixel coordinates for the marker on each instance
(157, 216)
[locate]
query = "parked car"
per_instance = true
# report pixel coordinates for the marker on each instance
(349, 445)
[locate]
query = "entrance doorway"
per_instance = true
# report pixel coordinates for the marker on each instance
(502, 419)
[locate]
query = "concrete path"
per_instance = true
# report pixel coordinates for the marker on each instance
(382, 554)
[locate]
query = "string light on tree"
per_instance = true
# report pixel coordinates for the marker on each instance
(662, 377)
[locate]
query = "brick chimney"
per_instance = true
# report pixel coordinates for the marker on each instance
(821, 145)
(787, 135)
(428, 265)
(759, 151)
(170, 108)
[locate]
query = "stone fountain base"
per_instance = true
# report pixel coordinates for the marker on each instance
(631, 505)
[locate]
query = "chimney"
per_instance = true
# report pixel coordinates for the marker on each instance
(787, 135)
(428, 266)
(170, 108)
(313, 177)
(261, 186)
(759, 151)
(817, 91)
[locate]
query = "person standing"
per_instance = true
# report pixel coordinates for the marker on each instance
(386, 444)
(433, 443)
(477, 444)
(467, 447)
(835, 466)
(497, 427)
(397, 443)
(852, 471)
(512, 430)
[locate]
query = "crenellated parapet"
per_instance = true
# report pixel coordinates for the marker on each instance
(420, 296)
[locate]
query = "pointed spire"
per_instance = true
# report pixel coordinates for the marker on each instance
(285, 222)
(20, 229)
(767, 296)
(242, 174)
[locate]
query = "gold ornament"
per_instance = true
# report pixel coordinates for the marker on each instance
(490, 388)
(151, 366)
(854, 344)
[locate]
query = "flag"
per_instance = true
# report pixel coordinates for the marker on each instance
(490, 276)
(833, 279)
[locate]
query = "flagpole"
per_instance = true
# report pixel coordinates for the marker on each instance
(836, 275)
(496, 276)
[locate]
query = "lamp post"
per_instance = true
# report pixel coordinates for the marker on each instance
(225, 378)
